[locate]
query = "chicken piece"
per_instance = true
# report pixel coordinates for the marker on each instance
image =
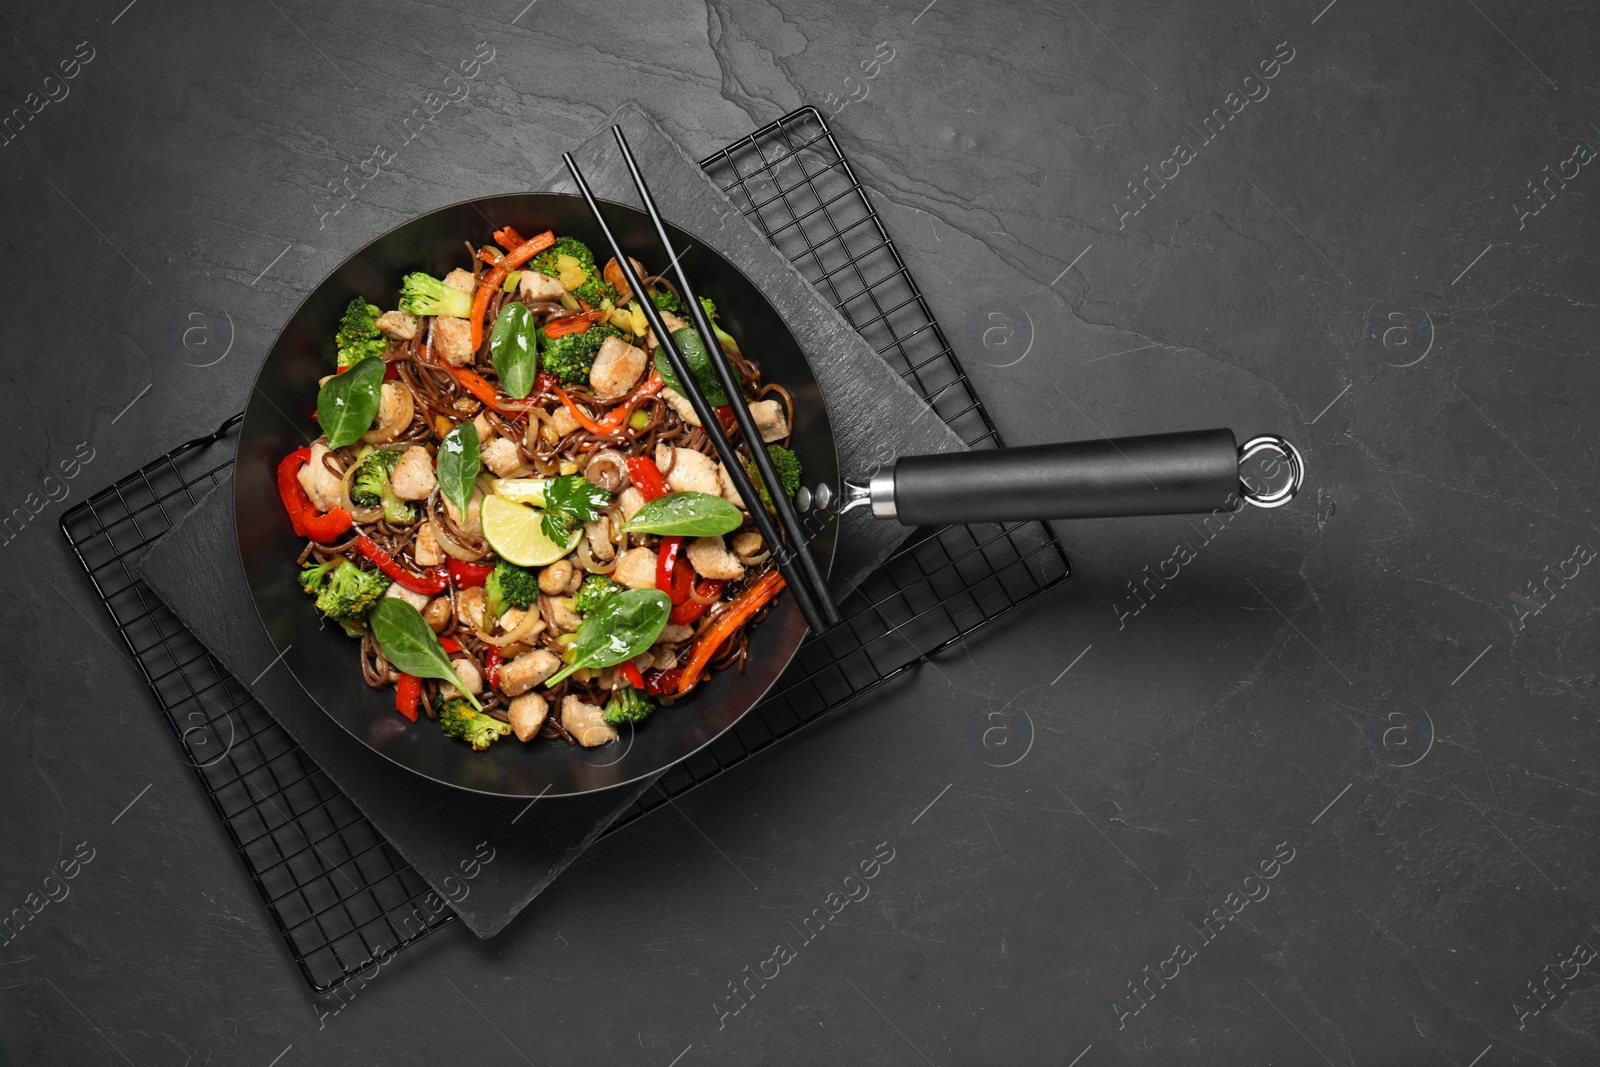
(413, 477)
(585, 722)
(772, 421)
(636, 569)
(397, 325)
(473, 522)
(502, 456)
(710, 558)
(629, 501)
(484, 427)
(563, 421)
(425, 549)
(745, 544)
(729, 492)
(461, 279)
(470, 607)
(674, 632)
(687, 471)
(400, 592)
(527, 670)
(673, 324)
(394, 404)
(663, 657)
(680, 403)
(557, 610)
(470, 678)
(616, 369)
(539, 287)
(527, 713)
(554, 578)
(599, 535)
(452, 339)
(321, 485)
(511, 618)
(438, 614)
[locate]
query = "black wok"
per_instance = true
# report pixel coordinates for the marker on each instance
(1178, 473)
(277, 421)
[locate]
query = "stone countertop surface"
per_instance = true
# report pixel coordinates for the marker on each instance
(1313, 785)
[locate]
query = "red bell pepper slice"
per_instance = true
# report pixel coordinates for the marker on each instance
(307, 520)
(673, 574)
(657, 682)
(466, 575)
(435, 581)
(325, 526)
(631, 673)
(493, 660)
(707, 590)
(449, 644)
(407, 694)
(293, 494)
(647, 477)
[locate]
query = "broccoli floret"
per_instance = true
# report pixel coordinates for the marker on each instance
(627, 704)
(358, 335)
(346, 594)
(509, 586)
(458, 719)
(570, 356)
(667, 300)
(722, 335)
(370, 487)
(788, 468)
(311, 577)
(423, 294)
(591, 288)
(595, 589)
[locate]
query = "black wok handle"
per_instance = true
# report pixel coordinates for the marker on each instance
(1162, 474)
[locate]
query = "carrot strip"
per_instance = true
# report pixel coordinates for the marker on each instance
(749, 602)
(489, 284)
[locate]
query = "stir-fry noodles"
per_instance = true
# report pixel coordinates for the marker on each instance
(516, 512)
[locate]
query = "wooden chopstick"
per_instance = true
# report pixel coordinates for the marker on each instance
(794, 576)
(731, 386)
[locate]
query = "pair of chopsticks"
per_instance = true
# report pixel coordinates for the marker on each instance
(795, 562)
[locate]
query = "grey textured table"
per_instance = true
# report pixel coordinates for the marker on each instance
(1317, 787)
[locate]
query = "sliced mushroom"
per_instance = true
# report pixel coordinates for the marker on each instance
(608, 469)
(553, 579)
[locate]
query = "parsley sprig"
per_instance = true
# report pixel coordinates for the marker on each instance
(571, 499)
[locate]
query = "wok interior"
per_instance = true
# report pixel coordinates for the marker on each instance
(278, 420)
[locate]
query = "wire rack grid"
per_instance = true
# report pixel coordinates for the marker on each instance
(339, 894)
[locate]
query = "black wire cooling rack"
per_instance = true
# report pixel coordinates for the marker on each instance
(334, 887)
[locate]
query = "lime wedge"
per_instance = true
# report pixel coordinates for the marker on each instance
(515, 532)
(520, 490)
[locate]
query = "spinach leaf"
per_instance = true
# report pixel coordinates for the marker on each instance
(457, 465)
(568, 500)
(685, 515)
(410, 644)
(347, 405)
(624, 625)
(699, 360)
(513, 345)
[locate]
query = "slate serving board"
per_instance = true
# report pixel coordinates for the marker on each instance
(875, 417)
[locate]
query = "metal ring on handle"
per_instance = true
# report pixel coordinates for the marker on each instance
(1297, 471)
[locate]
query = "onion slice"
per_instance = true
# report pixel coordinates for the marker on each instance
(532, 624)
